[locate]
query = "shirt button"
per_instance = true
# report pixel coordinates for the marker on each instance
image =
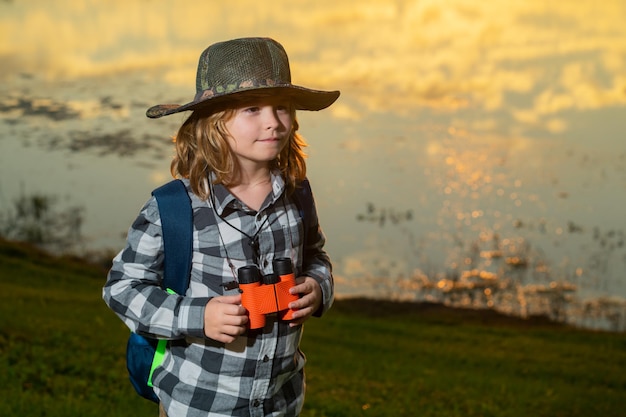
(256, 403)
(266, 358)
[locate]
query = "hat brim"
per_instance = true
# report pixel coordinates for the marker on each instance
(303, 98)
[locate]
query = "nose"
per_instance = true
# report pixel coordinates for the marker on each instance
(271, 119)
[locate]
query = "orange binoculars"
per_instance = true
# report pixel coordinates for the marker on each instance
(266, 294)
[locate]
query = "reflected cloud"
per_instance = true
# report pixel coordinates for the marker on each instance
(401, 55)
(13, 108)
(68, 125)
(480, 116)
(122, 143)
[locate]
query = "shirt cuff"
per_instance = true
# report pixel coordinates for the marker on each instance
(191, 316)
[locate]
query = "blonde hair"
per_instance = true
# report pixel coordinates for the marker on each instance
(202, 148)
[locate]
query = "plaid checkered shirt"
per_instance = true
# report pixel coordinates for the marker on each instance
(262, 372)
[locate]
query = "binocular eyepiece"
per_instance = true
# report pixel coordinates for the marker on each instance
(250, 274)
(265, 294)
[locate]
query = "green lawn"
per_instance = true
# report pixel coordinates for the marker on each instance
(62, 354)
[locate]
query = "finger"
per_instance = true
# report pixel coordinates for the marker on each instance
(302, 302)
(228, 333)
(235, 310)
(233, 330)
(225, 338)
(229, 299)
(302, 312)
(236, 319)
(297, 321)
(303, 288)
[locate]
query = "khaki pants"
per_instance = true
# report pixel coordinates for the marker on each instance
(162, 411)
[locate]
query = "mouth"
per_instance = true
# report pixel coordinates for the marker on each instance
(269, 140)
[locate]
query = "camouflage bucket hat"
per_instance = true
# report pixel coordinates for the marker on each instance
(245, 65)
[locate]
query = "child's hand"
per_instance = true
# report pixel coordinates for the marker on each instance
(225, 318)
(310, 299)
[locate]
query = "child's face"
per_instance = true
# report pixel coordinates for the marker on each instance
(260, 129)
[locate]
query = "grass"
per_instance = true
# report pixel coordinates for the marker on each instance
(431, 361)
(62, 354)
(61, 350)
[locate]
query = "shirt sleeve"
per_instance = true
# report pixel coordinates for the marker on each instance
(316, 262)
(133, 288)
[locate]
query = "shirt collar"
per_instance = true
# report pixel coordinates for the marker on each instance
(223, 198)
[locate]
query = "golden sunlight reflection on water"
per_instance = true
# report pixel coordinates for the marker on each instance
(496, 125)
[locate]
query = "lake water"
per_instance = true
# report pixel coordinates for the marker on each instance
(476, 155)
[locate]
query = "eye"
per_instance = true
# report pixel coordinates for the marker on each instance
(251, 109)
(282, 107)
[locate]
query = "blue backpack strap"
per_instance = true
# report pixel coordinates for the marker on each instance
(177, 225)
(144, 354)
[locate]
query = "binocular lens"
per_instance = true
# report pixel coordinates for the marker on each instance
(282, 266)
(270, 279)
(248, 274)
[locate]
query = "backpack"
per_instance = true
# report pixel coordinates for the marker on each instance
(144, 354)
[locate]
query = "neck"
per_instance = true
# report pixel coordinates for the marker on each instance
(253, 178)
(252, 189)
